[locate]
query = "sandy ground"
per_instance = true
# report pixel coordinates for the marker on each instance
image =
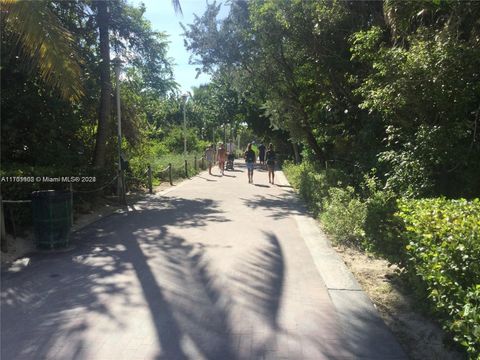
(421, 337)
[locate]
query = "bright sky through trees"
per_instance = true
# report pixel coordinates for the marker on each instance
(163, 18)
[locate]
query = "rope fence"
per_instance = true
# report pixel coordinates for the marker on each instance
(95, 190)
(169, 169)
(146, 177)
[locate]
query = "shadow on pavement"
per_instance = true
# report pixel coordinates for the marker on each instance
(69, 302)
(201, 177)
(260, 279)
(284, 186)
(278, 206)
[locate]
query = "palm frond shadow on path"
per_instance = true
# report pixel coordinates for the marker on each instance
(183, 295)
(257, 287)
(58, 292)
(284, 205)
(171, 273)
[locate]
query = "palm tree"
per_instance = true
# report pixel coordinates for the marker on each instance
(45, 44)
(50, 47)
(103, 23)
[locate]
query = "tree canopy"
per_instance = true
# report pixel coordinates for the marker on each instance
(391, 87)
(57, 101)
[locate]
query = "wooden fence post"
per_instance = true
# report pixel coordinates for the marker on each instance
(121, 187)
(170, 173)
(4, 245)
(186, 170)
(195, 162)
(14, 228)
(150, 186)
(71, 204)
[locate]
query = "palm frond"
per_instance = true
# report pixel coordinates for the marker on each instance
(177, 7)
(45, 43)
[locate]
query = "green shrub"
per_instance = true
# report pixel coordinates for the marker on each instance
(309, 182)
(435, 241)
(444, 251)
(292, 172)
(174, 141)
(158, 156)
(341, 212)
(343, 216)
(312, 184)
(178, 166)
(382, 228)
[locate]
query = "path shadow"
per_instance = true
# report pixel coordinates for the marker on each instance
(180, 292)
(201, 177)
(57, 298)
(260, 279)
(364, 335)
(258, 287)
(279, 206)
(284, 186)
(261, 185)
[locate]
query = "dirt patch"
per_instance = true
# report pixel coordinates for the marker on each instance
(421, 337)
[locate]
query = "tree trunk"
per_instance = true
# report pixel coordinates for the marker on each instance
(103, 19)
(311, 140)
(306, 127)
(296, 152)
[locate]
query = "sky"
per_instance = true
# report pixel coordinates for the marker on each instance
(163, 18)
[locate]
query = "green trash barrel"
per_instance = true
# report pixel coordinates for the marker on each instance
(52, 211)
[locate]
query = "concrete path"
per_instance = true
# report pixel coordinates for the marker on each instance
(214, 268)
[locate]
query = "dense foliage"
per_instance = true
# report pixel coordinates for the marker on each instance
(51, 127)
(444, 251)
(390, 86)
(381, 99)
(42, 128)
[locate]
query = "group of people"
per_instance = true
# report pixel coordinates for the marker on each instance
(222, 155)
(265, 156)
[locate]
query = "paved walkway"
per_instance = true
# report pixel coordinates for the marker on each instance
(214, 268)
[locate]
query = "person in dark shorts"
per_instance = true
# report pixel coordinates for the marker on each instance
(271, 158)
(250, 156)
(261, 154)
(221, 157)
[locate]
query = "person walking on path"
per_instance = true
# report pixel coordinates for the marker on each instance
(250, 160)
(209, 154)
(261, 154)
(270, 156)
(221, 155)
